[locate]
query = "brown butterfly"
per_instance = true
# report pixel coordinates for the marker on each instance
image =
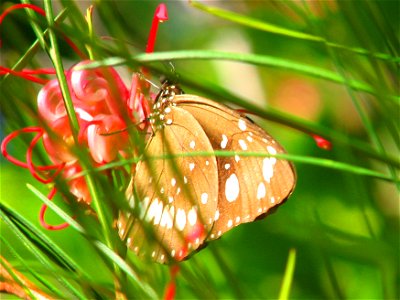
(180, 201)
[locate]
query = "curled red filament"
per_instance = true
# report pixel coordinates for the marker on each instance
(29, 164)
(43, 211)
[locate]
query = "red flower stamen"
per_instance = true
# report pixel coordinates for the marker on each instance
(321, 142)
(170, 290)
(43, 211)
(20, 6)
(160, 15)
(24, 74)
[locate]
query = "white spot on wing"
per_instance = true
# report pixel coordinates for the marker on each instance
(227, 166)
(224, 141)
(216, 217)
(155, 211)
(192, 216)
(173, 181)
(242, 125)
(232, 188)
(272, 151)
(261, 191)
(230, 223)
(191, 166)
(192, 144)
(180, 220)
(204, 198)
(243, 144)
(166, 219)
(268, 169)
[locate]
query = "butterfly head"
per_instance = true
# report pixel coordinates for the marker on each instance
(162, 106)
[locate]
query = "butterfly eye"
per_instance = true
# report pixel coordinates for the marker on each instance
(188, 199)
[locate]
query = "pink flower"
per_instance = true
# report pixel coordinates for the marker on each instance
(59, 142)
(104, 108)
(77, 186)
(103, 138)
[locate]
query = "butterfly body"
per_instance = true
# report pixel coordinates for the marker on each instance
(186, 199)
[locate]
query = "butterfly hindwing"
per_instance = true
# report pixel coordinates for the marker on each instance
(176, 195)
(248, 186)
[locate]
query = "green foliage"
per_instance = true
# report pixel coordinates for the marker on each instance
(338, 234)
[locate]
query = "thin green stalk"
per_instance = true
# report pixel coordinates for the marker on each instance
(287, 279)
(30, 53)
(105, 249)
(35, 26)
(54, 54)
(267, 27)
(69, 106)
(255, 59)
(316, 161)
(41, 257)
(55, 57)
(15, 278)
(374, 137)
(26, 267)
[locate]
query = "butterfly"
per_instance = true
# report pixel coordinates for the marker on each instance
(180, 199)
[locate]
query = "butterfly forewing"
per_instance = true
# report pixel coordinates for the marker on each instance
(176, 196)
(248, 186)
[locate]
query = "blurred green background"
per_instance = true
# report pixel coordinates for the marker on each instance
(344, 226)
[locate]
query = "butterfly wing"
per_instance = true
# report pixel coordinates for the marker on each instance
(249, 186)
(176, 197)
